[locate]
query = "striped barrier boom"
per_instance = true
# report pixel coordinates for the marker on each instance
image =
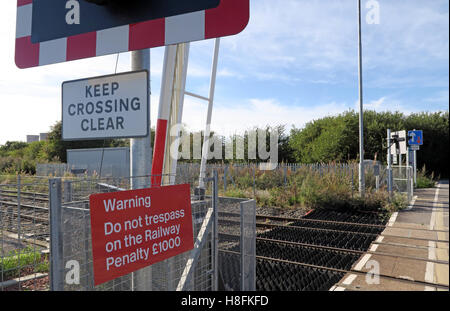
(229, 18)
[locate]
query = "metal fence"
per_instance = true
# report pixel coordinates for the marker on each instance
(24, 233)
(65, 170)
(247, 175)
(237, 244)
(71, 243)
(403, 180)
(50, 220)
(35, 243)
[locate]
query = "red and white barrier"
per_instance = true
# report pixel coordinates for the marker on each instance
(229, 18)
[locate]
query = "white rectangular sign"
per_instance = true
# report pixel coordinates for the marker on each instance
(113, 106)
(402, 144)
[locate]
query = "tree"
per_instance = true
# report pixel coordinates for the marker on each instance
(58, 148)
(336, 138)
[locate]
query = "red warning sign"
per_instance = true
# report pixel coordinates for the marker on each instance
(134, 229)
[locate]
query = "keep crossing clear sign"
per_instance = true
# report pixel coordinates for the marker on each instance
(113, 106)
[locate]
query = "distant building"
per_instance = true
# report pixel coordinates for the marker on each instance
(40, 137)
(32, 138)
(110, 162)
(43, 136)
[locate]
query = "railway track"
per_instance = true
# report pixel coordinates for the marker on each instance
(31, 221)
(308, 253)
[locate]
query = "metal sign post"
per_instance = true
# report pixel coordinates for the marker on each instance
(141, 163)
(212, 87)
(415, 141)
(361, 112)
(389, 162)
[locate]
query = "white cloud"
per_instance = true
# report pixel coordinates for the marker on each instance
(235, 119)
(376, 104)
(291, 41)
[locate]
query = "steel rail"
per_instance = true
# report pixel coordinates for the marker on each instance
(258, 224)
(337, 249)
(341, 270)
(287, 219)
(8, 203)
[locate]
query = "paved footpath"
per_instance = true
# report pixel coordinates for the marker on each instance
(411, 254)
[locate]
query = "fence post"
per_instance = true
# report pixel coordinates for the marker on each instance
(408, 184)
(67, 191)
(254, 182)
(248, 245)
(56, 241)
(18, 209)
(225, 178)
(215, 200)
(352, 182)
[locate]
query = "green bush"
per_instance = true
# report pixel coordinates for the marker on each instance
(308, 189)
(424, 181)
(11, 265)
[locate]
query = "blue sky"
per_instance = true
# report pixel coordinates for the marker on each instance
(295, 62)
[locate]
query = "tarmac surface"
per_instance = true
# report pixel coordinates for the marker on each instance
(411, 254)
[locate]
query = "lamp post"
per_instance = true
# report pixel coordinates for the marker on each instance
(361, 112)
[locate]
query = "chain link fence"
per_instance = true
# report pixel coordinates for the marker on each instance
(24, 233)
(72, 245)
(46, 229)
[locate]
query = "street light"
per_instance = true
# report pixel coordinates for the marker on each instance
(361, 112)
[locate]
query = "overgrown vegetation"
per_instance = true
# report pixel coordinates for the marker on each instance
(308, 189)
(423, 180)
(330, 139)
(21, 158)
(23, 262)
(336, 138)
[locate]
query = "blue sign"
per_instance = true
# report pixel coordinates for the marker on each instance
(55, 19)
(415, 138)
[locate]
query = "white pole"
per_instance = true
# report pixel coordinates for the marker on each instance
(361, 112)
(212, 87)
(179, 92)
(164, 110)
(140, 165)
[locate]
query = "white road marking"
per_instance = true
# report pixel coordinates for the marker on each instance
(413, 201)
(362, 262)
(392, 219)
(349, 279)
(374, 247)
(433, 213)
